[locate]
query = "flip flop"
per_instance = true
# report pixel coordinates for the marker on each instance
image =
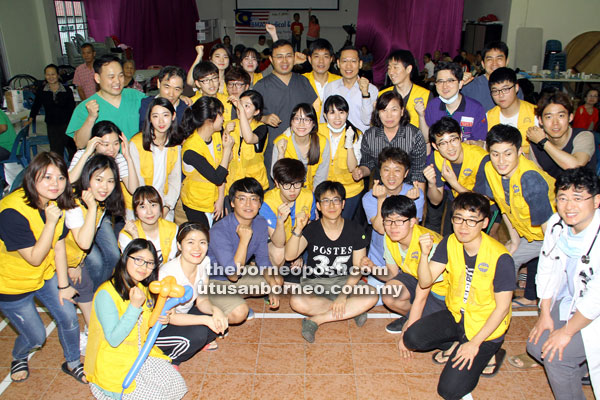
(435, 360)
(500, 356)
(526, 361)
(516, 304)
(76, 372)
(212, 346)
(19, 366)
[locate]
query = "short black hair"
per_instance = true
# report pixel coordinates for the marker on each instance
(289, 170)
(262, 37)
(350, 47)
(83, 46)
(170, 71)
(428, 55)
(496, 45)
(104, 128)
(329, 186)
(321, 44)
(581, 178)
(103, 60)
(453, 67)
(280, 43)
(394, 154)
(236, 73)
(382, 103)
(442, 126)
(557, 97)
(246, 185)
(473, 202)
(203, 69)
(257, 100)
(504, 134)
(399, 204)
(502, 74)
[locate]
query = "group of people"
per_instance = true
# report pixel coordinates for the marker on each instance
(258, 182)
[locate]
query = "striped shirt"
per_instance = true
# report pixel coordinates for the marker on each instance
(408, 138)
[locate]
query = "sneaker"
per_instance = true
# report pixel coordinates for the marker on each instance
(361, 319)
(251, 315)
(309, 328)
(83, 339)
(396, 326)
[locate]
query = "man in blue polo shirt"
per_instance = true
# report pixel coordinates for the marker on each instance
(235, 239)
(465, 110)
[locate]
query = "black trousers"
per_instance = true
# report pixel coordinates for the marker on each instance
(59, 141)
(180, 343)
(196, 216)
(439, 330)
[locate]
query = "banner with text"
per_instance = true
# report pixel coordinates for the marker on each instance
(252, 23)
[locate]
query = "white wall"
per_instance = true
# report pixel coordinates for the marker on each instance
(474, 9)
(331, 21)
(30, 36)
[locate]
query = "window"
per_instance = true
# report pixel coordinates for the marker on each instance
(71, 20)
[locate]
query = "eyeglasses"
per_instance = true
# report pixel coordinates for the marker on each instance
(444, 144)
(295, 185)
(576, 200)
(209, 80)
(336, 201)
(470, 222)
(496, 92)
(395, 222)
(238, 85)
(245, 199)
(442, 82)
(140, 262)
(302, 120)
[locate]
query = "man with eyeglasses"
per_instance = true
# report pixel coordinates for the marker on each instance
(480, 276)
(467, 111)
(237, 82)
(234, 240)
(566, 333)
(510, 110)
(334, 247)
(402, 254)
(456, 168)
(206, 81)
(284, 205)
(558, 146)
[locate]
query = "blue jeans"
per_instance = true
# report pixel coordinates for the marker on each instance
(24, 317)
(103, 256)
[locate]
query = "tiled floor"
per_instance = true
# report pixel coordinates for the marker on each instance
(266, 358)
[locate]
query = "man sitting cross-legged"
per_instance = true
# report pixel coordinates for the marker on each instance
(334, 245)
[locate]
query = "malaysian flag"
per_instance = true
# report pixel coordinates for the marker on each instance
(250, 22)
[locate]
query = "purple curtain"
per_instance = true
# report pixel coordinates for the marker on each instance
(421, 26)
(160, 32)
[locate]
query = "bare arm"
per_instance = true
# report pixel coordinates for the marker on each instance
(190, 74)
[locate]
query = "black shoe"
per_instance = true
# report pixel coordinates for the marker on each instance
(396, 326)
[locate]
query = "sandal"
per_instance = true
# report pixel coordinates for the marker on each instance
(445, 357)
(522, 361)
(518, 303)
(76, 372)
(212, 346)
(19, 366)
(500, 356)
(522, 280)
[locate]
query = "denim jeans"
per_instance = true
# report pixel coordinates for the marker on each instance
(103, 256)
(24, 317)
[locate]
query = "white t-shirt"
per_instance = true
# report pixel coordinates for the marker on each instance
(124, 241)
(173, 268)
(119, 159)
(514, 120)
(74, 218)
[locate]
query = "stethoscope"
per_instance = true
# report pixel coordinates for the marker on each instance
(584, 258)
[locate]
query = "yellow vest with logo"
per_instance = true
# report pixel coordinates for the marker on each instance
(290, 152)
(518, 212)
(338, 167)
(107, 366)
(410, 265)
(526, 120)
(311, 78)
(481, 301)
(74, 253)
(197, 192)
(472, 156)
(147, 167)
(417, 94)
(303, 202)
(167, 231)
(246, 162)
(17, 276)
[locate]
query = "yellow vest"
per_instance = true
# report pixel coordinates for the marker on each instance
(338, 167)
(257, 77)
(107, 366)
(410, 265)
(147, 167)
(518, 211)
(472, 156)
(303, 202)
(246, 162)
(167, 231)
(311, 78)
(197, 192)
(417, 94)
(74, 253)
(481, 301)
(17, 276)
(526, 120)
(290, 152)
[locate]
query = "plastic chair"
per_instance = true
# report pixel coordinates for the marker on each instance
(17, 153)
(553, 46)
(22, 81)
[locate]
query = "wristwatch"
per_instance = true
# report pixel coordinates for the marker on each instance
(367, 96)
(296, 234)
(541, 144)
